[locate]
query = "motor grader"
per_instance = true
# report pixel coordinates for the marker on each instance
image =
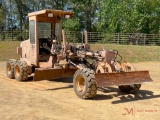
(49, 55)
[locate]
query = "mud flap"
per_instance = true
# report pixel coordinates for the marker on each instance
(122, 78)
(48, 74)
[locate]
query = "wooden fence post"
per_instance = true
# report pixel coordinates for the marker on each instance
(118, 40)
(145, 36)
(86, 37)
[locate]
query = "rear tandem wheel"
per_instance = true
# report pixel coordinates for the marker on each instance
(21, 71)
(10, 68)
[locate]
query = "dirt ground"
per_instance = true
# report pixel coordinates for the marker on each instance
(54, 100)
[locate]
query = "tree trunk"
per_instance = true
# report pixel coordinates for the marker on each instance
(19, 6)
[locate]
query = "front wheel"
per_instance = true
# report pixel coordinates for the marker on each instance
(130, 88)
(84, 83)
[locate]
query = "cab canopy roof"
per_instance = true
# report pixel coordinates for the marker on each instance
(47, 12)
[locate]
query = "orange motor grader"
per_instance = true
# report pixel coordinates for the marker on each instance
(48, 55)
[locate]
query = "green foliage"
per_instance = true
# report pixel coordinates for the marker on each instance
(129, 16)
(92, 15)
(107, 38)
(1, 16)
(71, 24)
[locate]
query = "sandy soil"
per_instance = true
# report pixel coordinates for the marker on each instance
(52, 100)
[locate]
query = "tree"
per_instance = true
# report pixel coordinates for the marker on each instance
(91, 15)
(2, 17)
(129, 16)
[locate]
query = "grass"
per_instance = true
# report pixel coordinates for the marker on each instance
(133, 53)
(129, 53)
(8, 50)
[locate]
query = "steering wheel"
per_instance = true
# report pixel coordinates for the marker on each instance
(50, 38)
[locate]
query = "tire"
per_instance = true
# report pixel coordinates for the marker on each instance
(10, 68)
(130, 88)
(84, 83)
(21, 71)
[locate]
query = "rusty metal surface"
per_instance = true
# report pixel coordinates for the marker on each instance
(122, 78)
(48, 74)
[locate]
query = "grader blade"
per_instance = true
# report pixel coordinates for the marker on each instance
(122, 78)
(48, 74)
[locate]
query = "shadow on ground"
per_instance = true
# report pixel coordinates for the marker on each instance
(63, 80)
(111, 91)
(141, 95)
(59, 88)
(123, 97)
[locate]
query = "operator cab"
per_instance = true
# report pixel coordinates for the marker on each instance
(45, 26)
(46, 36)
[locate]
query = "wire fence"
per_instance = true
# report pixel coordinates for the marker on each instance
(93, 37)
(14, 35)
(131, 38)
(75, 36)
(115, 38)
